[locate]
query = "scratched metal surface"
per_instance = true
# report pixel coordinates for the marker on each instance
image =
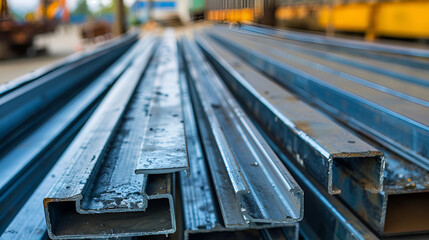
(75, 185)
(403, 180)
(391, 119)
(325, 215)
(306, 133)
(200, 210)
(38, 150)
(250, 152)
(164, 146)
(117, 188)
(30, 223)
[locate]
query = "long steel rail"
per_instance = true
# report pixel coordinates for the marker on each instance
(27, 78)
(402, 127)
(200, 209)
(316, 142)
(25, 162)
(338, 42)
(235, 151)
(406, 186)
(99, 195)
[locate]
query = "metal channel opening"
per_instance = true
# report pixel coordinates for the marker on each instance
(407, 213)
(366, 171)
(157, 216)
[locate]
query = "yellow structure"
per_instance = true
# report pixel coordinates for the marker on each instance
(407, 19)
(232, 15)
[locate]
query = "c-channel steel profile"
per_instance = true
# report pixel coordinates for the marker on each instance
(372, 118)
(199, 210)
(304, 133)
(71, 207)
(236, 151)
(30, 223)
(164, 134)
(31, 158)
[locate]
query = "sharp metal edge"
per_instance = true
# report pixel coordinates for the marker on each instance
(75, 57)
(312, 141)
(164, 148)
(35, 99)
(403, 181)
(359, 45)
(263, 162)
(325, 215)
(25, 165)
(78, 179)
(410, 146)
(30, 222)
(200, 213)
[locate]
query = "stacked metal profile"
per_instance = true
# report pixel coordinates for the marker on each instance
(116, 176)
(376, 92)
(98, 141)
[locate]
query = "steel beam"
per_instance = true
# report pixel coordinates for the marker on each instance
(338, 42)
(236, 152)
(317, 143)
(25, 107)
(405, 186)
(400, 124)
(99, 195)
(201, 213)
(163, 149)
(23, 166)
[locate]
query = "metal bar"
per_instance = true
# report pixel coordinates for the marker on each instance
(30, 222)
(163, 149)
(75, 57)
(267, 181)
(302, 132)
(402, 127)
(404, 182)
(337, 42)
(386, 80)
(200, 211)
(325, 215)
(21, 108)
(24, 166)
(104, 190)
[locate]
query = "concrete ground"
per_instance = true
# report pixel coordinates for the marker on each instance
(64, 41)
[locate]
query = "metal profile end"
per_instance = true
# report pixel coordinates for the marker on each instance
(368, 171)
(65, 219)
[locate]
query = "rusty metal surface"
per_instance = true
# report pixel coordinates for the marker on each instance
(318, 143)
(201, 212)
(380, 115)
(246, 173)
(99, 194)
(164, 148)
(30, 222)
(400, 208)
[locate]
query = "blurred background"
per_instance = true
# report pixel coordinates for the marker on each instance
(47, 30)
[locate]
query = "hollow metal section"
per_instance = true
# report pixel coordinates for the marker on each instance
(99, 195)
(315, 141)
